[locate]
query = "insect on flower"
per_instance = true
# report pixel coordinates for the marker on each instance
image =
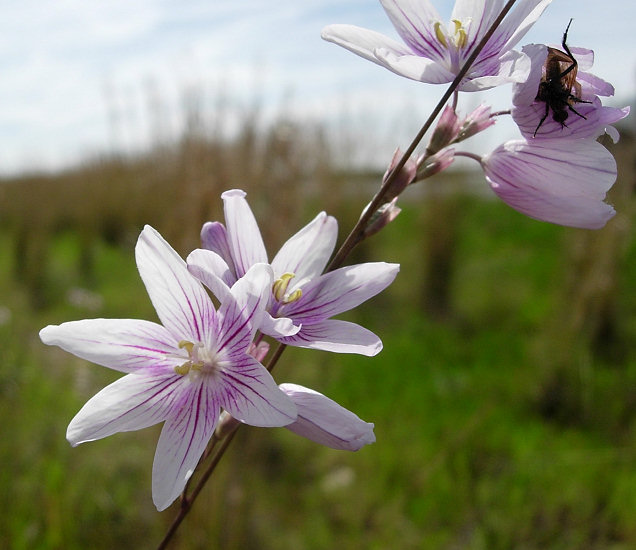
(555, 90)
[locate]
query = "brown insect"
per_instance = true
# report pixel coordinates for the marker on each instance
(555, 90)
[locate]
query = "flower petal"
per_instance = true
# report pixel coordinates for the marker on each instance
(131, 403)
(414, 67)
(513, 66)
(241, 312)
(341, 290)
(212, 271)
(336, 336)
(307, 252)
(362, 42)
(180, 300)
(183, 439)
(244, 237)
(559, 181)
(214, 238)
(251, 395)
(414, 20)
(513, 28)
(324, 421)
(126, 345)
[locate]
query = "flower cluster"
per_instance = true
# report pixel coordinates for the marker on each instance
(202, 359)
(557, 171)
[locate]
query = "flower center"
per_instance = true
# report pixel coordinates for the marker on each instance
(279, 289)
(457, 36)
(200, 361)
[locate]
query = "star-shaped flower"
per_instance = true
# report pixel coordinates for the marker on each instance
(434, 52)
(300, 294)
(182, 371)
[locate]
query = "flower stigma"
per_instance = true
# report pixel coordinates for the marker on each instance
(279, 289)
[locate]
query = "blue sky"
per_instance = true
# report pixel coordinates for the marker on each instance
(79, 76)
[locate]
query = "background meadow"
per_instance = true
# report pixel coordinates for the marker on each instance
(503, 401)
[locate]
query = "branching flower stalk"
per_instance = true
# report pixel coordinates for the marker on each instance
(355, 237)
(356, 234)
(202, 370)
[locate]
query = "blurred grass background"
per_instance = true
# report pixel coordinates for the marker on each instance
(504, 400)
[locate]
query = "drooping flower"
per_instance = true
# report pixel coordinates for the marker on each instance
(563, 181)
(586, 119)
(182, 371)
(300, 294)
(434, 52)
(324, 421)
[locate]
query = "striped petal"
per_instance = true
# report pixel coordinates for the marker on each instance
(323, 421)
(183, 439)
(126, 345)
(131, 403)
(180, 300)
(244, 237)
(336, 336)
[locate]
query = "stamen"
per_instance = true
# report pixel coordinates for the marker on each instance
(280, 286)
(294, 296)
(439, 34)
(188, 346)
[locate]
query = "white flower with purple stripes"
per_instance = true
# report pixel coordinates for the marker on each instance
(182, 371)
(302, 300)
(434, 52)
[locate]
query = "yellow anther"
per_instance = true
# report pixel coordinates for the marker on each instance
(462, 39)
(280, 286)
(458, 25)
(440, 34)
(293, 296)
(188, 346)
(183, 369)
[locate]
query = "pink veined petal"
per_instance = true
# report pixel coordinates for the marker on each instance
(414, 20)
(250, 395)
(244, 237)
(362, 42)
(559, 181)
(524, 93)
(593, 121)
(593, 85)
(183, 439)
(241, 312)
(278, 327)
(336, 336)
(307, 252)
(341, 290)
(214, 238)
(414, 67)
(126, 345)
(477, 15)
(212, 271)
(131, 403)
(323, 421)
(513, 66)
(583, 56)
(180, 300)
(514, 26)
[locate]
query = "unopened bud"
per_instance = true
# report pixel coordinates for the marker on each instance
(429, 166)
(382, 217)
(474, 123)
(401, 180)
(445, 132)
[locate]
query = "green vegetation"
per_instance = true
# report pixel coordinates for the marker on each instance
(504, 400)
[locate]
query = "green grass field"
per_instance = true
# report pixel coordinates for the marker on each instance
(501, 421)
